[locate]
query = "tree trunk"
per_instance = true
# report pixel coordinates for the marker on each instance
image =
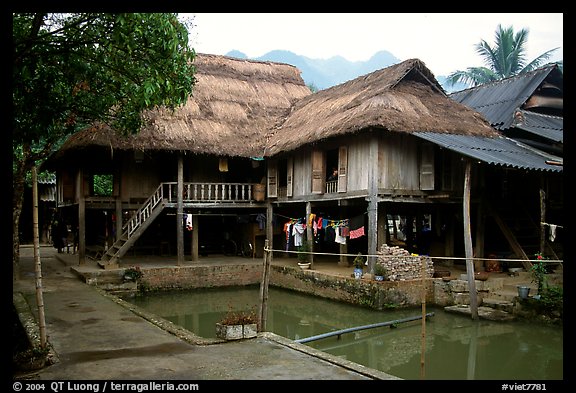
(18, 183)
(23, 166)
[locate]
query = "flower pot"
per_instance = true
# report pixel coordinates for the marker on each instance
(358, 273)
(523, 292)
(236, 332)
(379, 278)
(304, 266)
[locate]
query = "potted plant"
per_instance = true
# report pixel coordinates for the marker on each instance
(358, 266)
(303, 256)
(237, 325)
(380, 272)
(538, 271)
(133, 273)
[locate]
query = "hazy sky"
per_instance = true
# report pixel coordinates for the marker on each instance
(443, 41)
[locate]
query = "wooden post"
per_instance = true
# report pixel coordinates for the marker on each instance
(195, 246)
(373, 179)
(468, 244)
(542, 221)
(269, 229)
(119, 220)
(37, 261)
(81, 218)
(180, 211)
(480, 230)
(263, 312)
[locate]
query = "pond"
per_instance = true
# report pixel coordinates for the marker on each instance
(456, 347)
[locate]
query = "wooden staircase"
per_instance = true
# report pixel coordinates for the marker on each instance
(134, 228)
(521, 233)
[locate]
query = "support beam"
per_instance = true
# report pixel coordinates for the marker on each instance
(373, 179)
(180, 211)
(468, 244)
(81, 217)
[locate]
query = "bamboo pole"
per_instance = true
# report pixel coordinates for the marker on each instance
(37, 261)
(263, 312)
(423, 333)
(468, 244)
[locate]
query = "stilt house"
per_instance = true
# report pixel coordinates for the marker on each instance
(397, 145)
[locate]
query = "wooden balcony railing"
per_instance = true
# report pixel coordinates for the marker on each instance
(211, 192)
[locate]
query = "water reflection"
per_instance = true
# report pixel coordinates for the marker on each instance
(456, 347)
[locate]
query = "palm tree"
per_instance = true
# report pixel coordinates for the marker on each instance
(507, 58)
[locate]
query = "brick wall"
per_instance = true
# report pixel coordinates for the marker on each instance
(190, 277)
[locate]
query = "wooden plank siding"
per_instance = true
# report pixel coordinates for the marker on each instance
(398, 160)
(404, 164)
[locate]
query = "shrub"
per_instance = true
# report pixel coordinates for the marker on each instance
(239, 317)
(380, 270)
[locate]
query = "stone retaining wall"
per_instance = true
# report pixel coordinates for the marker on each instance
(366, 291)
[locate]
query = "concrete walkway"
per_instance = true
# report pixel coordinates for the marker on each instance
(94, 337)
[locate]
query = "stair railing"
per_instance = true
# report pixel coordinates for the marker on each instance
(144, 212)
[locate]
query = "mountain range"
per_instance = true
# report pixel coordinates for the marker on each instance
(321, 74)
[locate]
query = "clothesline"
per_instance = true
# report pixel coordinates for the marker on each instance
(550, 225)
(332, 222)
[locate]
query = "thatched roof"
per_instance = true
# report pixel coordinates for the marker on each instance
(233, 105)
(252, 108)
(405, 97)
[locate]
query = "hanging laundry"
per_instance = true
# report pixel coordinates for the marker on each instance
(261, 219)
(339, 238)
(297, 232)
(189, 225)
(288, 231)
(311, 219)
(357, 227)
(552, 232)
(329, 233)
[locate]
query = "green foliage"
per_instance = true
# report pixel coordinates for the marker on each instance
(538, 271)
(103, 185)
(303, 256)
(552, 299)
(505, 59)
(359, 261)
(71, 70)
(313, 88)
(380, 270)
(133, 273)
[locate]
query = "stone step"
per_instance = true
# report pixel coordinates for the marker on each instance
(499, 304)
(488, 313)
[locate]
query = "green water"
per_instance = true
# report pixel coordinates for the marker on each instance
(455, 346)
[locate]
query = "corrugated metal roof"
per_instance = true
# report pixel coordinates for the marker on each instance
(545, 126)
(498, 101)
(495, 151)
